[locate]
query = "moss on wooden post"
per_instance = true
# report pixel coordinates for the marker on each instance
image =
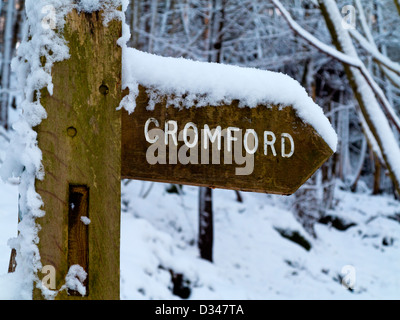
(81, 145)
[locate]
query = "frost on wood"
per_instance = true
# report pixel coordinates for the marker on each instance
(42, 46)
(188, 83)
(109, 8)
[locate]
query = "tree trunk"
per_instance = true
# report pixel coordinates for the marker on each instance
(154, 7)
(397, 4)
(343, 119)
(367, 101)
(206, 233)
(7, 54)
(135, 11)
(205, 241)
(377, 176)
(361, 160)
(239, 197)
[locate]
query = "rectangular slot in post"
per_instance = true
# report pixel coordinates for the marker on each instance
(78, 231)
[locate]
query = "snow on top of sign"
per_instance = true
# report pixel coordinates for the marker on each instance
(204, 84)
(107, 6)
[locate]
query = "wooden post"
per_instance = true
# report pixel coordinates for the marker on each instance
(81, 145)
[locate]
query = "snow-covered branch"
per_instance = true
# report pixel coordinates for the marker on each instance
(363, 91)
(374, 52)
(324, 48)
(368, 43)
(347, 59)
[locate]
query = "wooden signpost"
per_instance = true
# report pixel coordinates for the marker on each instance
(263, 149)
(88, 147)
(81, 144)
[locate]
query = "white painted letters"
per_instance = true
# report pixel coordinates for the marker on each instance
(231, 138)
(268, 142)
(246, 136)
(146, 130)
(207, 134)
(195, 134)
(283, 146)
(192, 139)
(172, 132)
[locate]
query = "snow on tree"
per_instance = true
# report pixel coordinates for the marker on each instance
(42, 46)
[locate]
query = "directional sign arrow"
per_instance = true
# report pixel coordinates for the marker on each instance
(267, 148)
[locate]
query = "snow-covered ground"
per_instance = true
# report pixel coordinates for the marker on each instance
(252, 259)
(8, 222)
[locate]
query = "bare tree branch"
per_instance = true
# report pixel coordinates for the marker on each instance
(351, 61)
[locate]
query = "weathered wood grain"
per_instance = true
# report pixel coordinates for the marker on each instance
(271, 174)
(78, 232)
(81, 145)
